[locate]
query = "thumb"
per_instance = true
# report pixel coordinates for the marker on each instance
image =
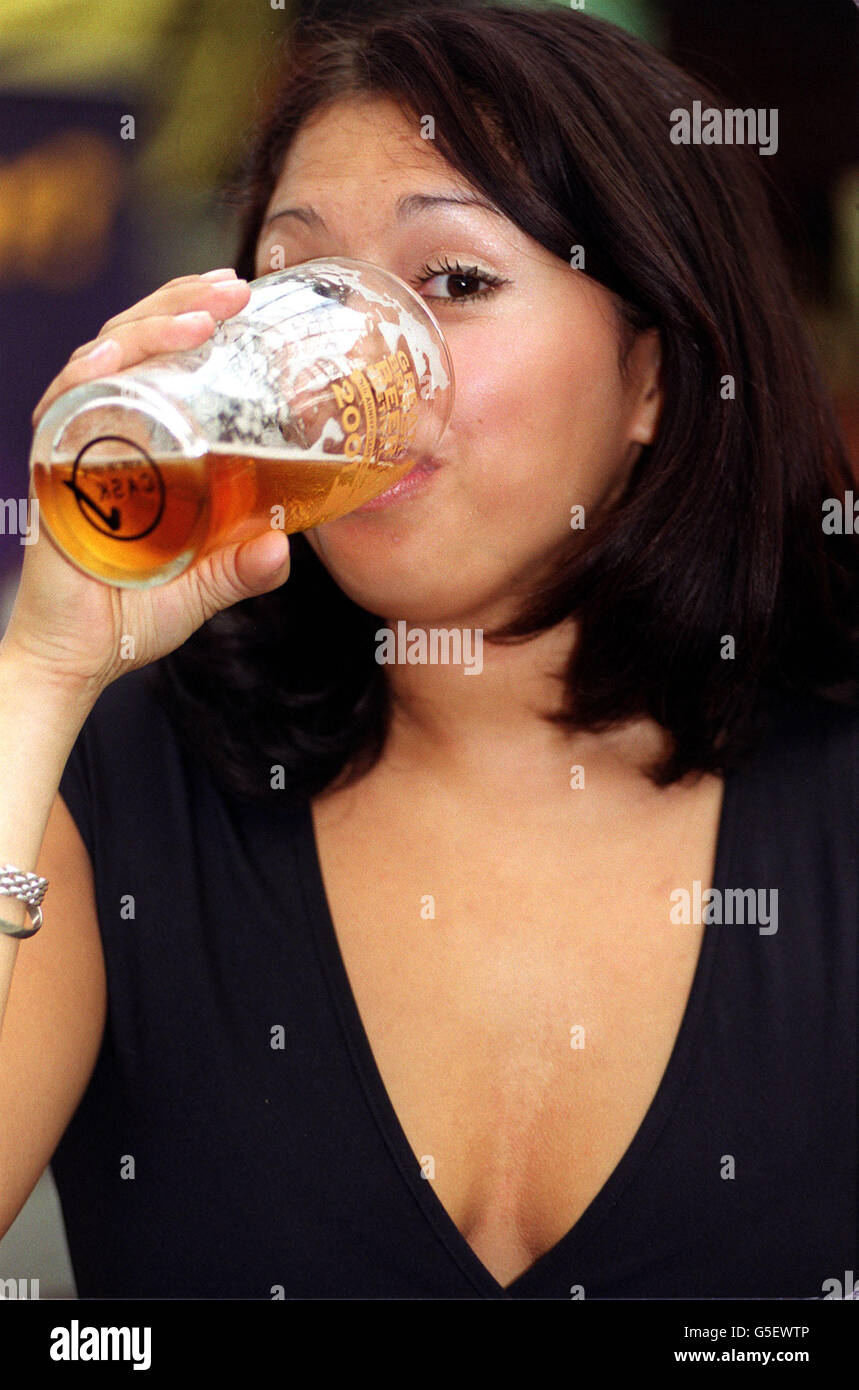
(243, 570)
(263, 563)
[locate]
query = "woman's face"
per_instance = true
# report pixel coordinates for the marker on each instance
(543, 419)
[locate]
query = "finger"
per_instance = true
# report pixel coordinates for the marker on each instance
(105, 356)
(222, 298)
(241, 571)
(160, 304)
(211, 296)
(264, 562)
(223, 273)
(127, 345)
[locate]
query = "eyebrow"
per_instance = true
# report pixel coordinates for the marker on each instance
(410, 205)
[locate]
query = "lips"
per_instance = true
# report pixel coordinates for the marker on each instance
(415, 481)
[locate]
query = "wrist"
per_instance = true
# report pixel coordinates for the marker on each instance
(45, 680)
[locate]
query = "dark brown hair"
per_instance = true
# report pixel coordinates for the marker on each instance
(563, 121)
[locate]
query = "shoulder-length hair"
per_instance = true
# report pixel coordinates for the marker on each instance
(564, 121)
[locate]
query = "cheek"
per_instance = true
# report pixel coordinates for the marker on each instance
(494, 384)
(538, 407)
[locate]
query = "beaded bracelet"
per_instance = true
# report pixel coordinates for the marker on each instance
(31, 889)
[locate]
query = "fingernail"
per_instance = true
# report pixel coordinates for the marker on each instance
(101, 349)
(227, 273)
(196, 318)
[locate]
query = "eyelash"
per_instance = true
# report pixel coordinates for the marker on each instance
(470, 272)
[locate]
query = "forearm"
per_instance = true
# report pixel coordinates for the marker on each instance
(40, 718)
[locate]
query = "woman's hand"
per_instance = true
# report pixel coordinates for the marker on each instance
(79, 629)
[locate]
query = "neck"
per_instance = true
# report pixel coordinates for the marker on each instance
(488, 720)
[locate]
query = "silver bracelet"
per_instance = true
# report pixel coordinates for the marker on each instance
(31, 889)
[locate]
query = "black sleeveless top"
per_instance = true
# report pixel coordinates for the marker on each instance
(236, 1140)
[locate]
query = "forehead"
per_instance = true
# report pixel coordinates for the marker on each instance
(360, 146)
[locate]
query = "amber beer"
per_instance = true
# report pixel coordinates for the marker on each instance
(320, 395)
(133, 519)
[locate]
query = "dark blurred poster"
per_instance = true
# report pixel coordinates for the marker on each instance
(69, 258)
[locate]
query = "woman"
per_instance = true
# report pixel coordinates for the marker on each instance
(376, 980)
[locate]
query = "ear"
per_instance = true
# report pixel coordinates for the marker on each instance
(645, 370)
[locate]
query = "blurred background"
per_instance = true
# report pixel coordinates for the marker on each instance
(119, 123)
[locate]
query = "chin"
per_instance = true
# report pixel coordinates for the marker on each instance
(416, 602)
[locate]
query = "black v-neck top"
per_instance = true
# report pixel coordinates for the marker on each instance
(236, 1139)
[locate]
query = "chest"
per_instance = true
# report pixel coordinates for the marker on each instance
(521, 987)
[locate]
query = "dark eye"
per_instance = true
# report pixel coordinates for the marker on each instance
(456, 283)
(457, 286)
